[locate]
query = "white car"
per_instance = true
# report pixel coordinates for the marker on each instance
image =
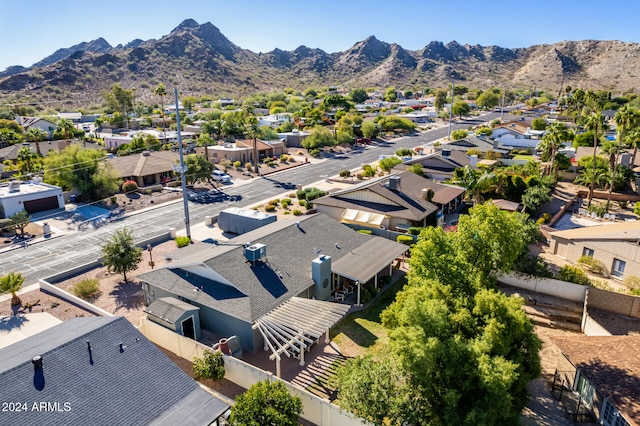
(220, 176)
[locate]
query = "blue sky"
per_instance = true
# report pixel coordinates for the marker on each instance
(329, 25)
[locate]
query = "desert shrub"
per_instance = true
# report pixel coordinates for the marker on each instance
(314, 193)
(284, 158)
(286, 212)
(285, 202)
(543, 219)
(636, 208)
(632, 282)
(129, 186)
(301, 195)
(302, 203)
(414, 230)
(148, 191)
(297, 212)
(300, 153)
(182, 241)
(209, 366)
(291, 160)
(405, 239)
(593, 265)
(623, 204)
(359, 176)
(598, 208)
(248, 165)
(344, 173)
(366, 295)
(237, 164)
(368, 171)
(602, 285)
(274, 202)
(573, 274)
(87, 288)
(114, 200)
(269, 208)
(365, 231)
(314, 152)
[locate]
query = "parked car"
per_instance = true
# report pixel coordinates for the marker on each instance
(220, 176)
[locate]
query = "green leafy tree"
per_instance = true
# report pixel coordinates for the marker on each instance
(120, 100)
(209, 366)
(460, 108)
(417, 169)
(534, 197)
(12, 283)
(625, 118)
(395, 123)
(487, 100)
(464, 351)
(80, 169)
(358, 96)
(475, 182)
(336, 101)
(19, 220)
(538, 124)
(266, 403)
(370, 388)
(198, 168)
(318, 137)
(26, 159)
(391, 95)
(369, 129)
(440, 99)
(189, 102)
(120, 254)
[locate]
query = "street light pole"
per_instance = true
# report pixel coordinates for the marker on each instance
(504, 91)
(182, 169)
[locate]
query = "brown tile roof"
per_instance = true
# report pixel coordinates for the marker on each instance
(612, 366)
(262, 146)
(143, 165)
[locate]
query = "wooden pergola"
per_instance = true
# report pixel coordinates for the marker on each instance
(295, 325)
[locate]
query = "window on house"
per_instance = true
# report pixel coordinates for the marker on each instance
(618, 268)
(587, 252)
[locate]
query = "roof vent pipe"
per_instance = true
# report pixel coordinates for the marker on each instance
(37, 362)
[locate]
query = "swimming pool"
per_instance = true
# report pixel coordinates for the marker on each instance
(92, 212)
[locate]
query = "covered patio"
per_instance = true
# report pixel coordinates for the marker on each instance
(363, 264)
(294, 326)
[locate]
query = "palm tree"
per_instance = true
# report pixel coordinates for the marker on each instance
(162, 92)
(476, 183)
(592, 176)
(596, 123)
(624, 118)
(34, 134)
(633, 137)
(26, 156)
(555, 135)
(252, 132)
(12, 282)
(66, 128)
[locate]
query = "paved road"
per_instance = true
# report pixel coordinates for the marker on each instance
(69, 251)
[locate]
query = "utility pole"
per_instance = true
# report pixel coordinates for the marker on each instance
(504, 91)
(182, 169)
(450, 111)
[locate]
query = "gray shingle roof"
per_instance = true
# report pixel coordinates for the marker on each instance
(405, 202)
(246, 291)
(106, 385)
(169, 309)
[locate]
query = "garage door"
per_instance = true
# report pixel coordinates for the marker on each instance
(40, 205)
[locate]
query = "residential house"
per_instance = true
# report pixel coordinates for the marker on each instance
(235, 284)
(395, 202)
(605, 372)
(147, 168)
(242, 150)
(439, 165)
(113, 141)
(615, 245)
(294, 138)
(99, 371)
(517, 133)
(38, 123)
(275, 120)
(32, 196)
(74, 117)
(469, 142)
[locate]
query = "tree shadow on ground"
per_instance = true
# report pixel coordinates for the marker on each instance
(128, 295)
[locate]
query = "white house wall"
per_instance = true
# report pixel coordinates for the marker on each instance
(14, 202)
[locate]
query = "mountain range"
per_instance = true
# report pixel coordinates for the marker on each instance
(200, 60)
